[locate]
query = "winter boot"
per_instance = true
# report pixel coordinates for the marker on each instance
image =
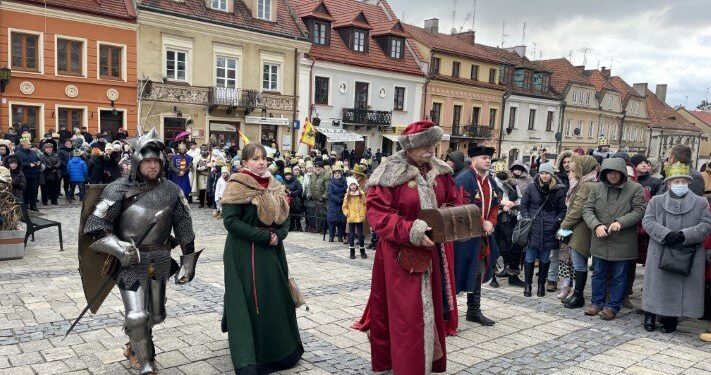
(352, 252)
(542, 274)
(578, 300)
(669, 324)
(528, 277)
(515, 281)
(363, 254)
(649, 322)
(565, 289)
(494, 283)
(474, 308)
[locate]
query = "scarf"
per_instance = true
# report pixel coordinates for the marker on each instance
(272, 204)
(575, 185)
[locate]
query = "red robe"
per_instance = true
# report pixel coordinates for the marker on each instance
(395, 313)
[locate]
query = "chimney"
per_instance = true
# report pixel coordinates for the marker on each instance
(580, 68)
(519, 50)
(467, 36)
(432, 25)
(661, 92)
(605, 72)
(641, 89)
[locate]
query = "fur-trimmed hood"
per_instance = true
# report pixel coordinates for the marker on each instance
(559, 160)
(396, 171)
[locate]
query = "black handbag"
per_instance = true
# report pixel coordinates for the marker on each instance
(522, 230)
(678, 260)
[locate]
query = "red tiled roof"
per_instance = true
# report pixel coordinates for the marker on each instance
(563, 73)
(345, 12)
(661, 115)
(468, 82)
(452, 45)
(598, 80)
(120, 9)
(240, 18)
(626, 90)
(703, 116)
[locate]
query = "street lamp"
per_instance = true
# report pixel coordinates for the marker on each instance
(5, 76)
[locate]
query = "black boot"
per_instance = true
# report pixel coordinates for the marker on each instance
(494, 283)
(578, 299)
(515, 281)
(474, 307)
(352, 252)
(649, 322)
(542, 274)
(669, 324)
(528, 277)
(371, 246)
(363, 254)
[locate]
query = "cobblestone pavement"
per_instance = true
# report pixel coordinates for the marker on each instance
(41, 294)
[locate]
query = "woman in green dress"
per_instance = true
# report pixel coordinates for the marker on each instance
(260, 316)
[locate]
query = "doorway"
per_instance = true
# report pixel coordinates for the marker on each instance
(513, 156)
(110, 122)
(172, 126)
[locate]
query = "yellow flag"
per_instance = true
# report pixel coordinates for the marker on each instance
(308, 136)
(243, 137)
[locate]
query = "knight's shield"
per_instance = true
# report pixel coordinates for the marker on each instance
(92, 264)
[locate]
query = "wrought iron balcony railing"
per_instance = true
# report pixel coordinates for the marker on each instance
(234, 97)
(472, 131)
(368, 117)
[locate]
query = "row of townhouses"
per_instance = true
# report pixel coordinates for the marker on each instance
(261, 67)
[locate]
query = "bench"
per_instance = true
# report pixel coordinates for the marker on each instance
(37, 223)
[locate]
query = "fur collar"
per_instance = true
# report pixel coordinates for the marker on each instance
(396, 171)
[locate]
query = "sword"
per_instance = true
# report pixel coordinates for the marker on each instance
(111, 277)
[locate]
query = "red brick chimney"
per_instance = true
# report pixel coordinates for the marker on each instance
(467, 36)
(605, 72)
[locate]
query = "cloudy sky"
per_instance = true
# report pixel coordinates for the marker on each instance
(652, 41)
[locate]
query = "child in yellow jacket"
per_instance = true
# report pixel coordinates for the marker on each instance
(354, 210)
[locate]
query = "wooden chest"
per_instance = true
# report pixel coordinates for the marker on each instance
(453, 223)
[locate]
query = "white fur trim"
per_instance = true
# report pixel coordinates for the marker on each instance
(430, 136)
(396, 171)
(419, 227)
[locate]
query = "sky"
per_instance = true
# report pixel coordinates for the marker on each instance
(653, 41)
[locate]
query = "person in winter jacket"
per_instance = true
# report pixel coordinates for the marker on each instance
(612, 211)
(31, 168)
(354, 211)
(64, 154)
(96, 166)
(317, 196)
(644, 174)
(603, 149)
(706, 335)
(508, 211)
(77, 172)
(455, 159)
(293, 187)
(546, 196)
(519, 172)
(682, 154)
(19, 182)
(335, 192)
(52, 173)
(220, 190)
(562, 165)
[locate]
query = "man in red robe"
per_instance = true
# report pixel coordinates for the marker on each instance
(406, 309)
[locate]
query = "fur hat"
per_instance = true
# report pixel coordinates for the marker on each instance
(421, 133)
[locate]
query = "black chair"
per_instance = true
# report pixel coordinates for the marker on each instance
(37, 223)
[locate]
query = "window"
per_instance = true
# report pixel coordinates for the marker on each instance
(512, 117)
(399, 104)
(176, 65)
(609, 103)
(575, 96)
(587, 98)
(359, 40)
(25, 52)
(580, 128)
(475, 72)
(25, 115)
(264, 9)
(518, 78)
(319, 33)
(455, 68)
(71, 117)
(396, 48)
(226, 72)
(492, 75)
(434, 68)
(492, 115)
(361, 95)
(110, 61)
(456, 117)
(435, 113)
(69, 57)
(591, 131)
(549, 121)
(532, 119)
(322, 86)
(527, 79)
(475, 115)
(270, 77)
(567, 128)
(219, 5)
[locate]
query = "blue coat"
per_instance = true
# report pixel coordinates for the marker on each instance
(335, 191)
(466, 253)
(27, 157)
(547, 223)
(77, 169)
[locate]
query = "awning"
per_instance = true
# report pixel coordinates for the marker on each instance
(392, 137)
(334, 135)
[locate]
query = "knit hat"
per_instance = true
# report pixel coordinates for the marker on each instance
(319, 164)
(638, 159)
(421, 133)
(547, 167)
(351, 180)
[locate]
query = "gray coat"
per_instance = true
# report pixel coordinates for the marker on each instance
(666, 293)
(606, 204)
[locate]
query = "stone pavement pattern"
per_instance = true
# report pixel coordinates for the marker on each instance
(41, 294)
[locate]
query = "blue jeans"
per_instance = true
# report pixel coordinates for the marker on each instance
(555, 260)
(580, 262)
(532, 254)
(352, 229)
(618, 287)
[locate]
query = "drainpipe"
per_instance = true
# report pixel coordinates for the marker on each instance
(503, 112)
(294, 146)
(698, 149)
(649, 143)
(559, 143)
(661, 136)
(622, 128)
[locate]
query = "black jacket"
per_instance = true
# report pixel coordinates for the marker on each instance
(96, 170)
(546, 224)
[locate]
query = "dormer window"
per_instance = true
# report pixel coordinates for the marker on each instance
(320, 31)
(359, 40)
(219, 5)
(264, 9)
(395, 48)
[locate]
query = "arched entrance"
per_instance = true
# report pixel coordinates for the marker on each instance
(513, 155)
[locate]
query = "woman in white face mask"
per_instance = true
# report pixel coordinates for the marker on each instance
(677, 222)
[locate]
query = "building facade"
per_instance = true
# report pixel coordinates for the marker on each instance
(217, 67)
(73, 66)
(361, 80)
(702, 120)
(667, 127)
(635, 120)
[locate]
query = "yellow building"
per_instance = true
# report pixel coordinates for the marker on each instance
(219, 67)
(463, 94)
(702, 120)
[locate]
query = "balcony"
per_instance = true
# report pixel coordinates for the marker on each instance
(174, 93)
(249, 100)
(366, 117)
(471, 131)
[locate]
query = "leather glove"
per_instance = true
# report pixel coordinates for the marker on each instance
(130, 256)
(673, 238)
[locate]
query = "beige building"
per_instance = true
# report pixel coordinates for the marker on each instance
(635, 120)
(702, 120)
(219, 67)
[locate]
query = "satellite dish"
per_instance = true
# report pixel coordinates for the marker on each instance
(576, 131)
(558, 136)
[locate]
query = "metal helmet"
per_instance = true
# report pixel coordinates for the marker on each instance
(146, 146)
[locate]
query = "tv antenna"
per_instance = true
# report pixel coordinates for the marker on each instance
(503, 33)
(534, 49)
(611, 61)
(585, 51)
(523, 33)
(473, 14)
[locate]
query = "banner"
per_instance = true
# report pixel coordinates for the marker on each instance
(308, 136)
(243, 137)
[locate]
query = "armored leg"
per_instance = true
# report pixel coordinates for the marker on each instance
(138, 328)
(156, 301)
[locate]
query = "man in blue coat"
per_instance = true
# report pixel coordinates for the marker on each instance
(473, 257)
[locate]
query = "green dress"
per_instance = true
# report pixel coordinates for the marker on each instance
(260, 321)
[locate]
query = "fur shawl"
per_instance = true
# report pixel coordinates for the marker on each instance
(396, 171)
(272, 203)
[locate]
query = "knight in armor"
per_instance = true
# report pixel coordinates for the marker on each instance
(132, 223)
